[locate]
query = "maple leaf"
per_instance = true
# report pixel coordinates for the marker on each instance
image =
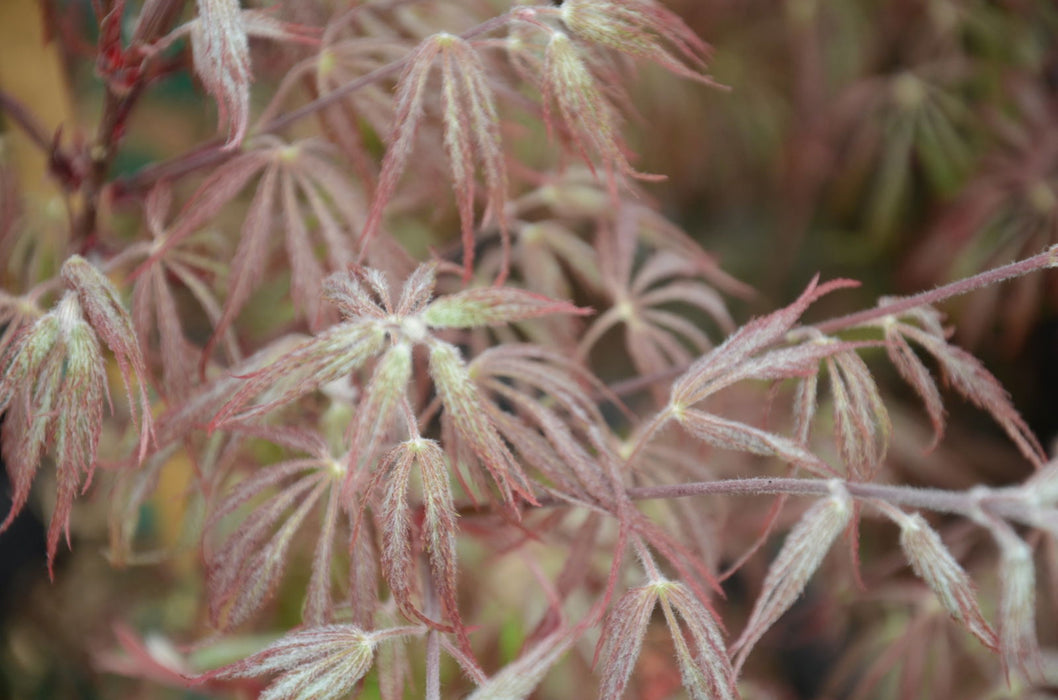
(245, 569)
(471, 129)
(220, 51)
(54, 386)
(154, 307)
(964, 372)
(586, 111)
(316, 663)
(706, 670)
(800, 556)
(657, 338)
(298, 182)
(642, 29)
(934, 564)
(438, 530)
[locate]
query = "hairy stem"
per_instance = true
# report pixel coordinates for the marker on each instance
(1048, 258)
(1005, 503)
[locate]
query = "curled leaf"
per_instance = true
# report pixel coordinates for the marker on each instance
(640, 28)
(221, 54)
(935, 565)
(54, 386)
(102, 306)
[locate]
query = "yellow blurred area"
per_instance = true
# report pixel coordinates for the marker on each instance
(169, 501)
(32, 73)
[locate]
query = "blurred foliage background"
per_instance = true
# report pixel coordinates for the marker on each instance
(902, 143)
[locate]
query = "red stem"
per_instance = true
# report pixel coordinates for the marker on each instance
(1048, 258)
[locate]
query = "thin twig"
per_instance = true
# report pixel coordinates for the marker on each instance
(1008, 502)
(29, 124)
(1040, 261)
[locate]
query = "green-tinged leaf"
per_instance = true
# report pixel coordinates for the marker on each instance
(489, 306)
(329, 356)
(934, 564)
(640, 28)
(318, 663)
(375, 410)
(107, 315)
(465, 407)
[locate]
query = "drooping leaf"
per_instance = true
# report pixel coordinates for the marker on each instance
(801, 554)
(935, 565)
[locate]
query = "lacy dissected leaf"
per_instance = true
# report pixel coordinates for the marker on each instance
(488, 306)
(339, 62)
(587, 113)
(373, 322)
(154, 306)
(622, 639)
(471, 133)
(934, 564)
(706, 671)
(329, 356)
(861, 421)
(270, 505)
(245, 570)
(545, 249)
(550, 419)
(465, 407)
(800, 556)
(438, 531)
(376, 408)
(303, 168)
(915, 373)
(220, 51)
(657, 336)
(221, 54)
(54, 386)
(640, 28)
(729, 361)
(317, 663)
(733, 435)
(29, 391)
(105, 312)
(964, 372)
(300, 187)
